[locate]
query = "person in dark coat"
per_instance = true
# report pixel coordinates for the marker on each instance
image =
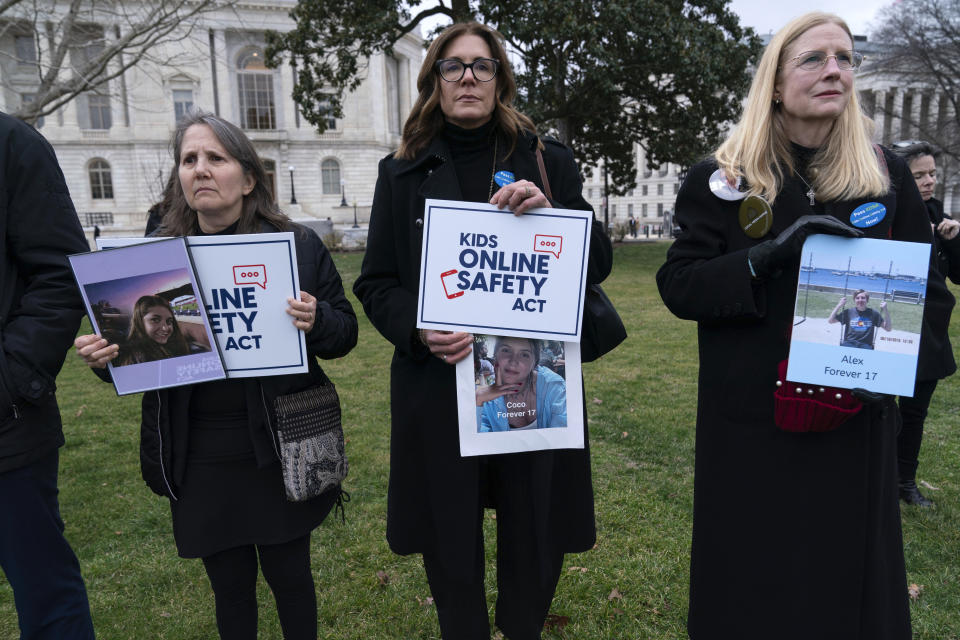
(211, 448)
(921, 159)
(795, 535)
(461, 131)
(40, 312)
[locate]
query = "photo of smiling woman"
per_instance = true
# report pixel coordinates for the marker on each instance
(154, 333)
(526, 395)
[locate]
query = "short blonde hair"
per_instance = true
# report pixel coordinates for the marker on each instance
(758, 149)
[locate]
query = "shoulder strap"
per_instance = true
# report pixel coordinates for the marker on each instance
(543, 174)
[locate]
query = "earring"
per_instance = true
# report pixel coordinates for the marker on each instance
(777, 101)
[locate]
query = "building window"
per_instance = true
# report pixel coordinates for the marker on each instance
(664, 168)
(101, 183)
(676, 188)
(643, 210)
(643, 190)
(182, 103)
(394, 116)
(255, 84)
(98, 111)
(659, 209)
(613, 211)
(270, 168)
(330, 174)
(27, 98)
(660, 189)
(630, 210)
(589, 192)
(26, 50)
(331, 121)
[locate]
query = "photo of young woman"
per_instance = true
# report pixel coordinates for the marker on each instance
(526, 394)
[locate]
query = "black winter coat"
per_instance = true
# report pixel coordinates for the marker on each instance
(163, 431)
(795, 535)
(434, 493)
(40, 306)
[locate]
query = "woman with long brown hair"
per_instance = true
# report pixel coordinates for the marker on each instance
(212, 448)
(462, 131)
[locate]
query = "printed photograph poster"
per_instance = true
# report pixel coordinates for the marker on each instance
(485, 270)
(246, 280)
(519, 394)
(146, 299)
(858, 314)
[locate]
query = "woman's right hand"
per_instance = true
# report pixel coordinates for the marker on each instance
(95, 351)
(449, 346)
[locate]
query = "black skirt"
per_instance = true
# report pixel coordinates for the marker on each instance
(226, 500)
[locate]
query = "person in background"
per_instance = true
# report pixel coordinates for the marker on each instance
(789, 486)
(462, 130)
(40, 312)
(932, 365)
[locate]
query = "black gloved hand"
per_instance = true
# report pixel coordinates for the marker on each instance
(868, 397)
(768, 258)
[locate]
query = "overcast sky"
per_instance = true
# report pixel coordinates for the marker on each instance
(769, 15)
(766, 15)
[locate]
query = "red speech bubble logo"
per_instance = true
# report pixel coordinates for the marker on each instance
(548, 244)
(250, 274)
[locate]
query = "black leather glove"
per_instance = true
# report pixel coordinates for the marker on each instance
(768, 258)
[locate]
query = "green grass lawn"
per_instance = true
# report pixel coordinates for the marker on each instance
(641, 399)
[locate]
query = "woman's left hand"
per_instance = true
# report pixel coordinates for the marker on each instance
(948, 229)
(304, 311)
(520, 197)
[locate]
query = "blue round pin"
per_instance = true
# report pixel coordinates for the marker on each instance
(503, 178)
(867, 215)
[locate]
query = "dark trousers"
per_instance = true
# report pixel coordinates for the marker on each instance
(527, 576)
(41, 567)
(913, 411)
(286, 568)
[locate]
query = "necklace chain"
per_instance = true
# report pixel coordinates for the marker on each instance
(493, 169)
(810, 192)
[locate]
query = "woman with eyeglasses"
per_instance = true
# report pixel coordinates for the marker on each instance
(796, 526)
(462, 135)
(921, 158)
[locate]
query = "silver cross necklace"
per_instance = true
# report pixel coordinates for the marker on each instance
(810, 194)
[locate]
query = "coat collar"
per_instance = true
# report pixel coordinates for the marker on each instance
(441, 182)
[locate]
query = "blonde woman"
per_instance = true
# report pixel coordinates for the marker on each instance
(795, 535)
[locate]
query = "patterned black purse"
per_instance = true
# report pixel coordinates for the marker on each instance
(312, 454)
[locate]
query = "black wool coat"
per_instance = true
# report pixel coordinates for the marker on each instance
(434, 494)
(40, 305)
(795, 535)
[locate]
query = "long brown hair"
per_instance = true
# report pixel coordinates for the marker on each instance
(258, 205)
(140, 347)
(426, 118)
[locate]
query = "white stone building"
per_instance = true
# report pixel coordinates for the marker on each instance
(114, 144)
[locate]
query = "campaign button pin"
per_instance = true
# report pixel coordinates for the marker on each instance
(756, 217)
(722, 189)
(503, 178)
(867, 215)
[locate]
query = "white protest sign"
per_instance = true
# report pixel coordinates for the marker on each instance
(245, 281)
(485, 270)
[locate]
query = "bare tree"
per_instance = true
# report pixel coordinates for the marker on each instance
(919, 47)
(81, 46)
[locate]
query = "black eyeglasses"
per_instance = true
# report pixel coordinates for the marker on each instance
(452, 70)
(813, 60)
